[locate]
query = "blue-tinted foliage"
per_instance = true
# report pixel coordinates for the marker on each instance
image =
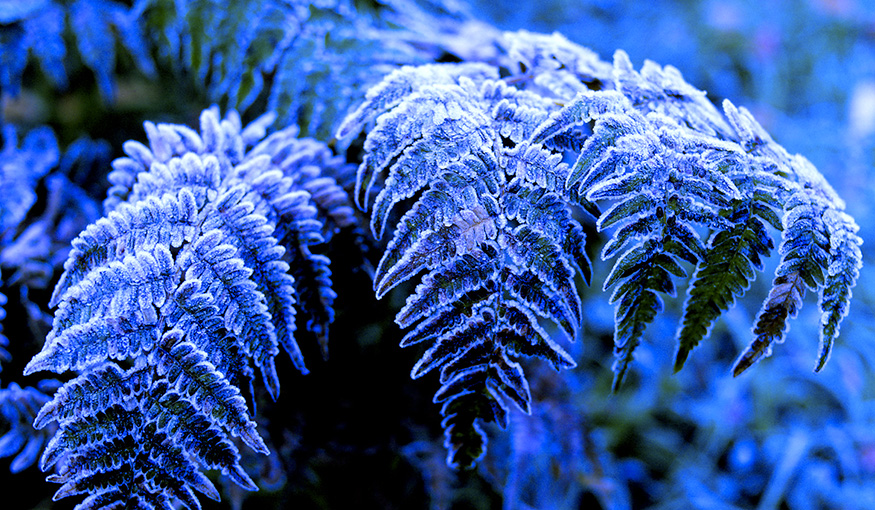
(38, 29)
(673, 165)
(22, 168)
(491, 222)
(19, 407)
(481, 166)
(306, 59)
(491, 227)
(42, 209)
(168, 303)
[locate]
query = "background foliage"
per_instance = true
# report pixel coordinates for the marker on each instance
(779, 436)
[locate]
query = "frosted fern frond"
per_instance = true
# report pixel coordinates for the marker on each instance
(686, 186)
(732, 256)
(489, 227)
(38, 28)
(188, 281)
(700, 171)
(807, 259)
(143, 440)
(843, 269)
(664, 191)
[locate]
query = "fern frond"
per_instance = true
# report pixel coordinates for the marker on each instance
(673, 165)
(843, 268)
(184, 280)
(804, 253)
(477, 152)
(491, 229)
(648, 169)
(143, 463)
(783, 303)
(731, 259)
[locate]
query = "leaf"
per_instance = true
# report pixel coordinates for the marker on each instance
(784, 302)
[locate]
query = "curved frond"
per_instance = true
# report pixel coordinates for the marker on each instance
(843, 268)
(732, 258)
(185, 281)
(489, 228)
(804, 252)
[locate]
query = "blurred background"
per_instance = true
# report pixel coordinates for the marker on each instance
(357, 431)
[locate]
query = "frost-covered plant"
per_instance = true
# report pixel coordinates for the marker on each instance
(482, 168)
(480, 149)
(306, 59)
(168, 303)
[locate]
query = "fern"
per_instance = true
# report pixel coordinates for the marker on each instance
(662, 197)
(490, 228)
(37, 28)
(303, 58)
(843, 268)
(477, 148)
(702, 171)
(168, 302)
(22, 168)
(808, 250)
(481, 162)
(42, 207)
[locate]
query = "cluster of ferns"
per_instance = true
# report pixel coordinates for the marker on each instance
(483, 175)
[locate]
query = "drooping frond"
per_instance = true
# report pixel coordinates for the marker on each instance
(188, 280)
(673, 167)
(732, 257)
(805, 253)
(474, 151)
(665, 188)
(489, 227)
(843, 268)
